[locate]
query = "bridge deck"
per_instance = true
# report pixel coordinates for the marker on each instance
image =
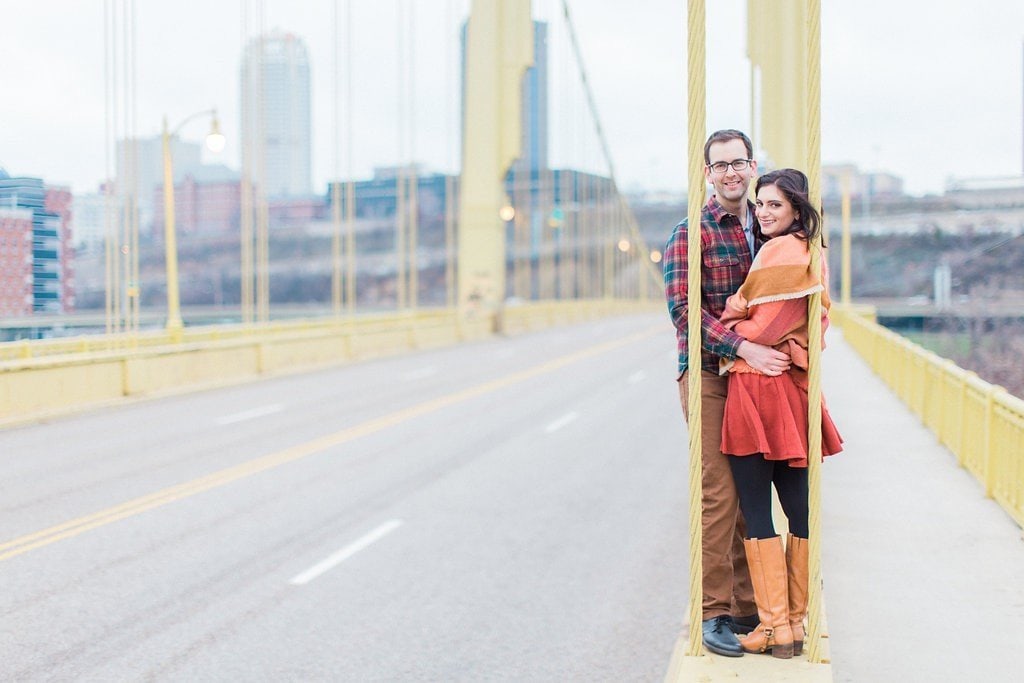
(539, 486)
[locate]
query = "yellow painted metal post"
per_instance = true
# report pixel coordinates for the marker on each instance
(988, 470)
(499, 48)
(170, 240)
(696, 125)
(813, 146)
(783, 63)
(755, 53)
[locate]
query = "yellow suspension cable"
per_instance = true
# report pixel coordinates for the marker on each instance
(401, 209)
(246, 199)
(603, 144)
(262, 209)
(696, 115)
(413, 191)
(350, 188)
(335, 186)
(451, 65)
(135, 287)
(109, 239)
(128, 180)
(814, 332)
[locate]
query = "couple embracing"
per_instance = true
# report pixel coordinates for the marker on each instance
(755, 281)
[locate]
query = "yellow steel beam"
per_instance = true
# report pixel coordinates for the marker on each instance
(777, 46)
(499, 49)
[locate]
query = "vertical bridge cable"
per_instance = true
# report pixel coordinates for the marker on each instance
(336, 183)
(642, 249)
(131, 174)
(413, 178)
(126, 178)
(696, 124)
(449, 185)
(109, 241)
(814, 332)
(121, 187)
(401, 169)
(262, 210)
(350, 195)
(245, 201)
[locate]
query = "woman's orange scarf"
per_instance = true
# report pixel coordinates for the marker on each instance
(770, 306)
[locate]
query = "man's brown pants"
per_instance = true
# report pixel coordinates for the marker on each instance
(725, 578)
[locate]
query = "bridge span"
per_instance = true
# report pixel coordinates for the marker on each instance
(509, 509)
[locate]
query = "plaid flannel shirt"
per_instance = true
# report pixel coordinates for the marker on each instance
(726, 261)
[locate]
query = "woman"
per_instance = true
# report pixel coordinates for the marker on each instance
(765, 424)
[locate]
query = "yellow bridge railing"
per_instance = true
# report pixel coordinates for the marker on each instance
(980, 423)
(48, 377)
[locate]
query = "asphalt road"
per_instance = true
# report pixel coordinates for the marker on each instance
(511, 510)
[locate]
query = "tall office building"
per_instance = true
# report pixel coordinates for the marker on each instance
(44, 213)
(15, 261)
(276, 120)
(534, 112)
(535, 104)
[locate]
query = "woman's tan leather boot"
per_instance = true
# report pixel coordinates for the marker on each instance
(767, 561)
(796, 561)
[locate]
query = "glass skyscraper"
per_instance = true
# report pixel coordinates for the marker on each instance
(276, 121)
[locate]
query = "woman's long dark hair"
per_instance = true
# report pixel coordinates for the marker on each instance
(794, 187)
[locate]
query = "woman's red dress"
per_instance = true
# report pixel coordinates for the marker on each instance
(769, 415)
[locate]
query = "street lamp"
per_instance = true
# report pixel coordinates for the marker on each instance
(215, 143)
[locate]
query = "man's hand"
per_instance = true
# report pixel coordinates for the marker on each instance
(763, 358)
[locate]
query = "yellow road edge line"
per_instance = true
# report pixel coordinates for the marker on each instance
(74, 527)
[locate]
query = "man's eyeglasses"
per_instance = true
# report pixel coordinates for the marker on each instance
(723, 166)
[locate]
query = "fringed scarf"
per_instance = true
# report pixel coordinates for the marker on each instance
(770, 307)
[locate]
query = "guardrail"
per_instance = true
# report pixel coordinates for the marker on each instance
(979, 422)
(40, 378)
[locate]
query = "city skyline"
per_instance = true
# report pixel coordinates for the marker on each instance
(896, 106)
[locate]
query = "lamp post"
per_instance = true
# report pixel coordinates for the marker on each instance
(215, 143)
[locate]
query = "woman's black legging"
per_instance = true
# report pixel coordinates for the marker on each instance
(754, 477)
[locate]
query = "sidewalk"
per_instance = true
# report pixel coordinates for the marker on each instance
(923, 576)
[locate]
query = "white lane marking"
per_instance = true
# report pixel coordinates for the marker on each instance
(421, 373)
(348, 551)
(251, 414)
(561, 422)
(637, 377)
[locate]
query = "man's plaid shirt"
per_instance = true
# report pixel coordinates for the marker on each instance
(726, 262)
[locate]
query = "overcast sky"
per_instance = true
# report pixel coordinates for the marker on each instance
(925, 91)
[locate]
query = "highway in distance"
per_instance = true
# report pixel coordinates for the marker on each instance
(506, 510)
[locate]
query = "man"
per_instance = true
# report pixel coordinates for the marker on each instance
(729, 239)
